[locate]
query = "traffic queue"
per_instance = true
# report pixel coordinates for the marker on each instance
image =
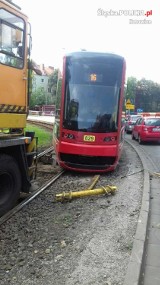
(144, 127)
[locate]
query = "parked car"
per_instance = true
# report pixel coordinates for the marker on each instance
(147, 129)
(130, 122)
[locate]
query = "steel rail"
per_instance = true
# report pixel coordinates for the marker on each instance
(48, 150)
(17, 208)
(46, 125)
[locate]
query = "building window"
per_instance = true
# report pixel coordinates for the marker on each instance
(42, 80)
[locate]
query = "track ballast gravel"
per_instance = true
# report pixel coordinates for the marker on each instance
(87, 241)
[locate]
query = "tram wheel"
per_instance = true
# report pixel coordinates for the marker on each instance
(10, 183)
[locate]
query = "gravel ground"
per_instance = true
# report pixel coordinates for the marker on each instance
(87, 241)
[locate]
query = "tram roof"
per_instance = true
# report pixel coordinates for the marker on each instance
(79, 54)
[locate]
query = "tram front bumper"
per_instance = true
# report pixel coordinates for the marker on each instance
(97, 158)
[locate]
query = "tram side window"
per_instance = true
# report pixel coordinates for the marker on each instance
(11, 40)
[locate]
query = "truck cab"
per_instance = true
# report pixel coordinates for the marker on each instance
(17, 147)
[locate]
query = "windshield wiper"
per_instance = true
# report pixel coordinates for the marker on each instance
(7, 52)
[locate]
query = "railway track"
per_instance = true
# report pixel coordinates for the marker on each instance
(129, 279)
(65, 239)
(43, 153)
(26, 198)
(46, 125)
(58, 212)
(30, 197)
(137, 264)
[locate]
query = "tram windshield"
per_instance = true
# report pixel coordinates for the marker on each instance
(92, 94)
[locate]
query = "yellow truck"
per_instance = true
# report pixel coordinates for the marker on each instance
(17, 147)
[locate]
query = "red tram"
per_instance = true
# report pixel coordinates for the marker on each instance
(88, 135)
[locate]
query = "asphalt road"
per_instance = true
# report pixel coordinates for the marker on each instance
(151, 151)
(150, 273)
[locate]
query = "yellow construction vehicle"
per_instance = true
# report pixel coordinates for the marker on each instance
(17, 148)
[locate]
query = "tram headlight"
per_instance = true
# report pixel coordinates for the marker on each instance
(68, 136)
(109, 139)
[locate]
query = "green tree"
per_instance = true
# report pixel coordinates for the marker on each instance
(131, 89)
(53, 82)
(147, 96)
(144, 94)
(58, 94)
(37, 98)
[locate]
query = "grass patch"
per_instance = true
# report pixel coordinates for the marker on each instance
(44, 136)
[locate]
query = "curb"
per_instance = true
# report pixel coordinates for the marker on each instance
(133, 273)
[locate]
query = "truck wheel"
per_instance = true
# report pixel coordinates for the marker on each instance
(10, 183)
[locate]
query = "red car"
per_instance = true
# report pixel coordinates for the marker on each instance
(147, 129)
(130, 122)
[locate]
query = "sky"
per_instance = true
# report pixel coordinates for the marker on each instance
(60, 26)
